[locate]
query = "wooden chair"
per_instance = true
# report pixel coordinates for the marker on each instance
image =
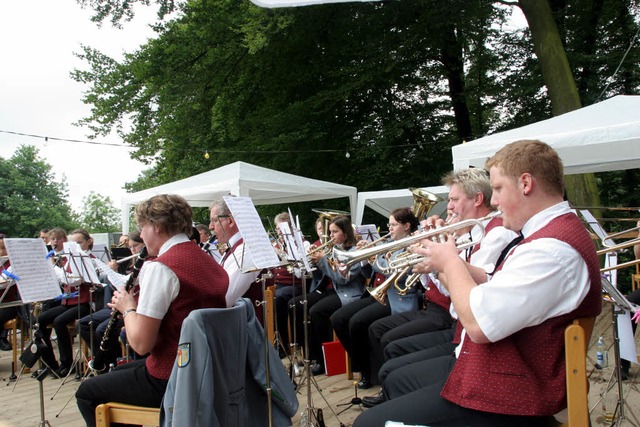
(12, 326)
(576, 340)
(113, 412)
(269, 297)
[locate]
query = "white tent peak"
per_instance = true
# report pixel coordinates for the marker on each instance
(597, 138)
(264, 186)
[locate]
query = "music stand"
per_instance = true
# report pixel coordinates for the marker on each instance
(620, 306)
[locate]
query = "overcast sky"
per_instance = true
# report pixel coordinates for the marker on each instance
(38, 97)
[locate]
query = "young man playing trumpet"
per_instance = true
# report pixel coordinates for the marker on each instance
(509, 369)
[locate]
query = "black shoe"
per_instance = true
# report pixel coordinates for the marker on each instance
(364, 383)
(37, 372)
(5, 345)
(624, 373)
(63, 371)
(317, 369)
(371, 401)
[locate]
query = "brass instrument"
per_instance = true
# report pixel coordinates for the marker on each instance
(423, 202)
(327, 217)
(627, 244)
(349, 258)
(325, 247)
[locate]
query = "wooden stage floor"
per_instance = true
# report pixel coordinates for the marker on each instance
(21, 403)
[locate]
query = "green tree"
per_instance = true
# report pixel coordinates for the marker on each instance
(31, 199)
(98, 214)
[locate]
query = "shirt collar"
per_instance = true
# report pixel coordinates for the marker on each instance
(543, 217)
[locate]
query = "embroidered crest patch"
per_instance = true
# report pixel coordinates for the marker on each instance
(184, 355)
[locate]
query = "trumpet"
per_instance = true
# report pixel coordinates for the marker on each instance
(325, 247)
(349, 258)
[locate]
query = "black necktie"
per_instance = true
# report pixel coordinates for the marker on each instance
(506, 250)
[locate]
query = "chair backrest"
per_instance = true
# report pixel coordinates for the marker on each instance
(576, 340)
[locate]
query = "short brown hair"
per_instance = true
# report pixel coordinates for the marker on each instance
(533, 157)
(170, 212)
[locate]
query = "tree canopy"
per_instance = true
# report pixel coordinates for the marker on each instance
(365, 94)
(31, 198)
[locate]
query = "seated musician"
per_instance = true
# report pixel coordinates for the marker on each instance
(97, 322)
(74, 303)
(319, 288)
(182, 278)
(348, 286)
(288, 282)
(509, 369)
(235, 261)
(6, 313)
(352, 321)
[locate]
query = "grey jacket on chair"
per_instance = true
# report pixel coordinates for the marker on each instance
(219, 377)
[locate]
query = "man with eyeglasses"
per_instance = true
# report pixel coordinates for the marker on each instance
(235, 261)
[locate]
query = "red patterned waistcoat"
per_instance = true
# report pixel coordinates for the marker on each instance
(203, 284)
(524, 373)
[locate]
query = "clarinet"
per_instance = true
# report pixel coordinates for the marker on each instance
(98, 362)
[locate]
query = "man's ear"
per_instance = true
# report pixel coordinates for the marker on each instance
(526, 183)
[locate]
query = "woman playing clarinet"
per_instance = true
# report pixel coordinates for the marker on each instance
(180, 279)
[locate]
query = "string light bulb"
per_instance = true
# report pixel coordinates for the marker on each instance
(206, 155)
(347, 155)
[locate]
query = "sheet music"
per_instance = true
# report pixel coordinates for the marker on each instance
(115, 279)
(81, 263)
(369, 232)
(290, 245)
(101, 251)
(627, 342)
(611, 258)
(38, 281)
(256, 241)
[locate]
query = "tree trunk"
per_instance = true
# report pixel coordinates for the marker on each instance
(582, 190)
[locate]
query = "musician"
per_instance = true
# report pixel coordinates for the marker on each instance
(633, 297)
(352, 321)
(44, 235)
(100, 318)
(234, 261)
(348, 286)
(469, 198)
(74, 304)
(182, 278)
(7, 313)
(319, 288)
(287, 279)
(123, 242)
(509, 369)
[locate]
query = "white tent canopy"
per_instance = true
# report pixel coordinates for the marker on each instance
(598, 138)
(264, 186)
(386, 201)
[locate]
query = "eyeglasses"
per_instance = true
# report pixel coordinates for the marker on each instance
(217, 218)
(393, 224)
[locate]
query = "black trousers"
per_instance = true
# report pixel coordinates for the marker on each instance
(351, 324)
(60, 316)
(284, 294)
(423, 405)
(128, 383)
(401, 325)
(296, 304)
(418, 348)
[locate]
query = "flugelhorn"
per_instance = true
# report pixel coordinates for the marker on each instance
(349, 258)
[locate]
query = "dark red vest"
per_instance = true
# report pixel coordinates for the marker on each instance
(524, 374)
(203, 284)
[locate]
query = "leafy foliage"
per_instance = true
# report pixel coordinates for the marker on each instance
(31, 199)
(98, 214)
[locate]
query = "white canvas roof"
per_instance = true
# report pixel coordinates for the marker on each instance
(264, 186)
(598, 138)
(386, 201)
